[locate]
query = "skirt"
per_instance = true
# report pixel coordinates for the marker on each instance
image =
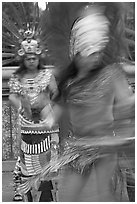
(36, 152)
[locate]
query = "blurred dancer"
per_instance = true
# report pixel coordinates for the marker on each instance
(96, 94)
(32, 90)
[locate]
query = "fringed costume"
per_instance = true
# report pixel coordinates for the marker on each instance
(90, 164)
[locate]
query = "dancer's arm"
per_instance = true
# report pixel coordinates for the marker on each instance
(53, 87)
(15, 101)
(124, 107)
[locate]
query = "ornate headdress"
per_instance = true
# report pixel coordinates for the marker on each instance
(64, 29)
(85, 28)
(29, 45)
(89, 33)
(22, 32)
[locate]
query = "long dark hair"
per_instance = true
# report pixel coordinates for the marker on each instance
(23, 69)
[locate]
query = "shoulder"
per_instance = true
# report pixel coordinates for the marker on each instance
(46, 72)
(44, 77)
(14, 78)
(14, 84)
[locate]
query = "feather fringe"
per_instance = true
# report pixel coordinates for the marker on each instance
(80, 153)
(14, 24)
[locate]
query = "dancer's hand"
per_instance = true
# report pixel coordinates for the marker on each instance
(40, 101)
(26, 106)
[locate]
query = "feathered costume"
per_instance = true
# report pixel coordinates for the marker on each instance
(74, 28)
(19, 23)
(39, 134)
(92, 136)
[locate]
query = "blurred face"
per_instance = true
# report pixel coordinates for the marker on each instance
(88, 63)
(31, 61)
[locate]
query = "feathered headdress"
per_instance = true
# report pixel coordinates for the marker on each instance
(21, 31)
(73, 27)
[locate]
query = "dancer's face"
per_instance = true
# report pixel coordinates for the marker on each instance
(31, 61)
(87, 63)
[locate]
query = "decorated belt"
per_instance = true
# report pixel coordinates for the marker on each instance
(27, 124)
(26, 130)
(37, 148)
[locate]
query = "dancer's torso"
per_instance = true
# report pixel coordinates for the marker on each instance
(90, 105)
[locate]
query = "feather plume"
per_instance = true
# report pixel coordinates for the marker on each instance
(7, 61)
(80, 153)
(53, 27)
(57, 21)
(59, 18)
(36, 16)
(10, 26)
(8, 50)
(17, 14)
(6, 37)
(15, 20)
(8, 55)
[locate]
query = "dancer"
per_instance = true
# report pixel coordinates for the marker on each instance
(32, 91)
(97, 97)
